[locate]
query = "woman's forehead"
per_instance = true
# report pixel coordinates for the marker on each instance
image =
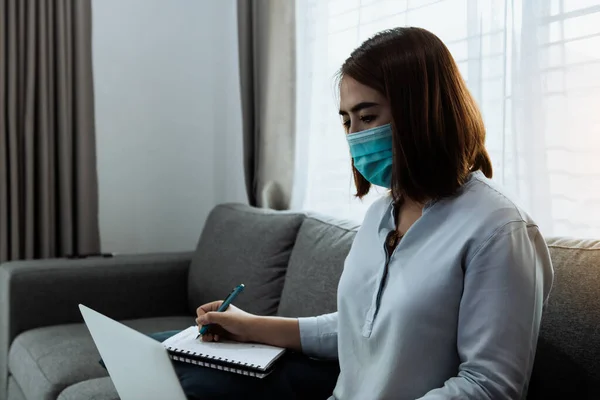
(353, 92)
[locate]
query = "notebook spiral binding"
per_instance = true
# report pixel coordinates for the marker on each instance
(184, 356)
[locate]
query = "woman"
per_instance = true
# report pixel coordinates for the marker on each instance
(442, 292)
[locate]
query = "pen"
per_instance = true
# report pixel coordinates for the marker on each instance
(224, 306)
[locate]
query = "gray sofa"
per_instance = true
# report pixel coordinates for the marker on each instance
(290, 263)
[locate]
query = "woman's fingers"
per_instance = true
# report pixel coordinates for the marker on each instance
(208, 307)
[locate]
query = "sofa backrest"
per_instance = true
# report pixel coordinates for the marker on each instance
(567, 363)
(315, 267)
(241, 244)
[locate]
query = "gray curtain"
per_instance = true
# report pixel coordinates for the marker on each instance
(268, 90)
(48, 180)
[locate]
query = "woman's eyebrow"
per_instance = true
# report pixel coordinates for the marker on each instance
(359, 106)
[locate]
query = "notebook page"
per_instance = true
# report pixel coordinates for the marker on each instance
(252, 354)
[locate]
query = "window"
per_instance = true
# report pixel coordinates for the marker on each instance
(533, 67)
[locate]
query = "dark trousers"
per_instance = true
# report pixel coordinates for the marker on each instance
(295, 376)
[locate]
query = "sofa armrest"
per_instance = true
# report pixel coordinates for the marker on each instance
(47, 292)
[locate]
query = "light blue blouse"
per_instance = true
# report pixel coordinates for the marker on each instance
(453, 313)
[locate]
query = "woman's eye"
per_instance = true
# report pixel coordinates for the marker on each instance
(346, 124)
(367, 118)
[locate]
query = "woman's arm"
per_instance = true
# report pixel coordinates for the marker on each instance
(276, 331)
(314, 336)
(505, 286)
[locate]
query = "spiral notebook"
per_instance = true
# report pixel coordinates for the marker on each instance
(249, 359)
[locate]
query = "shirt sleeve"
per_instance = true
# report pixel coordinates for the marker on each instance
(319, 336)
(506, 284)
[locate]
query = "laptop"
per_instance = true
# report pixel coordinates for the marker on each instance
(139, 366)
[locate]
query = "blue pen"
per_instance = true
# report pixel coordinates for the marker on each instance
(224, 306)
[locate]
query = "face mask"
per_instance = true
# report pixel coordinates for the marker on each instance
(372, 154)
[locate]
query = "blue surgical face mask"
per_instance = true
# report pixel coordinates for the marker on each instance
(372, 154)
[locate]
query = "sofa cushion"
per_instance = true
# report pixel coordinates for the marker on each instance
(315, 267)
(567, 363)
(45, 361)
(14, 391)
(92, 389)
(241, 244)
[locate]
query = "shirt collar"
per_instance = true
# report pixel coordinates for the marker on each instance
(389, 218)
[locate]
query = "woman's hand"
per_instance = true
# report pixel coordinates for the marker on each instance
(245, 327)
(232, 323)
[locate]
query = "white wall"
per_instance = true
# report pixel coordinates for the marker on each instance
(168, 119)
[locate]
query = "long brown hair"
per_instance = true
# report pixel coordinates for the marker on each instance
(439, 136)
